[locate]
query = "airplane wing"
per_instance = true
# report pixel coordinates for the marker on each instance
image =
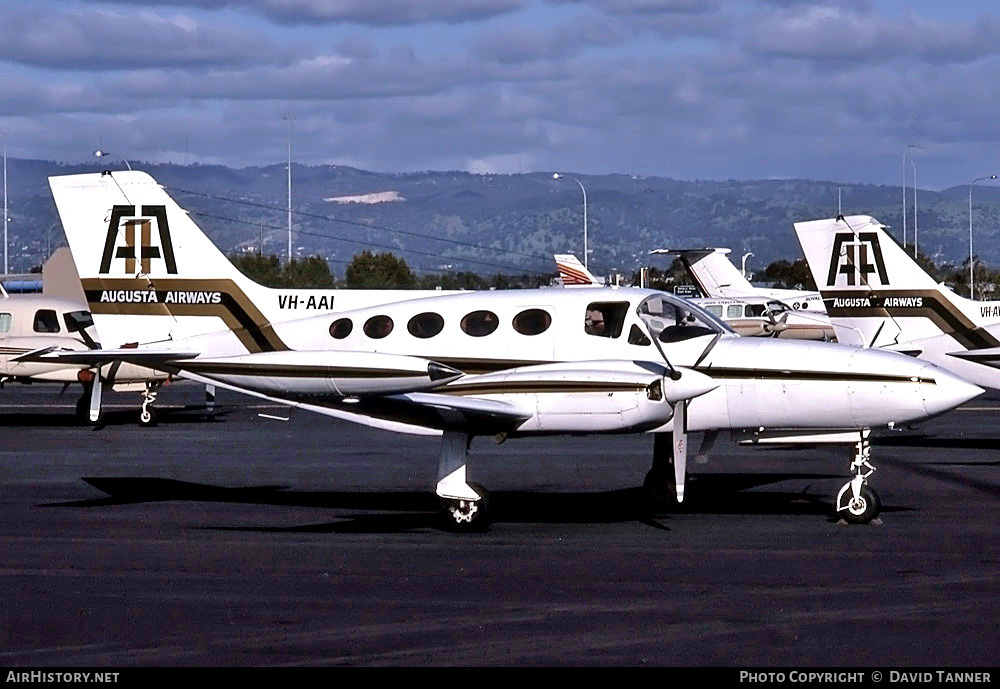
(988, 356)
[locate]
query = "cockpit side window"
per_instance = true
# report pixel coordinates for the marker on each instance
(605, 318)
(6, 320)
(46, 321)
(754, 310)
(671, 319)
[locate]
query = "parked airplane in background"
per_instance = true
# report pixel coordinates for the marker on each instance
(716, 276)
(878, 296)
(750, 315)
(499, 363)
(32, 323)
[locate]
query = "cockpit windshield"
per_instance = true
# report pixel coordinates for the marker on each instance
(672, 319)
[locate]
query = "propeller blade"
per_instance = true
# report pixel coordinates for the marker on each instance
(95, 398)
(680, 447)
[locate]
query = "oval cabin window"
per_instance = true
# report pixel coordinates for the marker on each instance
(532, 322)
(341, 328)
(378, 327)
(480, 323)
(425, 325)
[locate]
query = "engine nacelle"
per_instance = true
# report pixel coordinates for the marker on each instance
(587, 397)
(323, 374)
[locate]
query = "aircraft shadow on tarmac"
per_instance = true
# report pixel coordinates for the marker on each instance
(980, 443)
(113, 417)
(383, 512)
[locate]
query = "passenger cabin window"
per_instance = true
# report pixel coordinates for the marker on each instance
(341, 328)
(480, 323)
(378, 327)
(734, 311)
(532, 322)
(77, 321)
(715, 310)
(46, 321)
(5, 322)
(605, 318)
(425, 325)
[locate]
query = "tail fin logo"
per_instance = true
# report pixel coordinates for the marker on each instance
(856, 256)
(130, 238)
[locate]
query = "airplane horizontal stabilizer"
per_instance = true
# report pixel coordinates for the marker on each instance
(98, 357)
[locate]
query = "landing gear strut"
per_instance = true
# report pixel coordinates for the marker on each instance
(147, 415)
(857, 502)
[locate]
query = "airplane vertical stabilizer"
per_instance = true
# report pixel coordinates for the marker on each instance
(148, 271)
(714, 272)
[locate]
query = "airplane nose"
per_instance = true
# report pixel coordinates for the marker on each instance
(948, 392)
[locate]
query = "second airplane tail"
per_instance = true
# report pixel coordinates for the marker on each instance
(876, 294)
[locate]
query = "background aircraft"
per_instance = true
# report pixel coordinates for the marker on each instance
(751, 315)
(716, 276)
(500, 363)
(57, 318)
(878, 296)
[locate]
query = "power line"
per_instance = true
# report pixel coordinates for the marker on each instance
(365, 243)
(317, 216)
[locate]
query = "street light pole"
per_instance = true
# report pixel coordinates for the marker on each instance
(289, 117)
(908, 147)
(558, 176)
(915, 230)
(972, 292)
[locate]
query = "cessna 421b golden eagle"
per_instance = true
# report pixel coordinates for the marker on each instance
(502, 363)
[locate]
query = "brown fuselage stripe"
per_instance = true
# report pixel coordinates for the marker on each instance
(804, 376)
(292, 371)
(234, 308)
(942, 313)
(538, 387)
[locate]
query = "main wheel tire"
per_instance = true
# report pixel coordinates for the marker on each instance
(147, 417)
(467, 515)
(863, 509)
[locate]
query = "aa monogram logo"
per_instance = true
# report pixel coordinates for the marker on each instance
(856, 256)
(130, 237)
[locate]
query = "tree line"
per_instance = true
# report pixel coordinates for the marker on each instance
(369, 270)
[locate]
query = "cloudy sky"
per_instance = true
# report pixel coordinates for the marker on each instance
(690, 89)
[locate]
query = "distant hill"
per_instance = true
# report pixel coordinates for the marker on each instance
(508, 223)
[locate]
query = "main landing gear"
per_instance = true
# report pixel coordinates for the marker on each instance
(857, 502)
(147, 414)
(464, 505)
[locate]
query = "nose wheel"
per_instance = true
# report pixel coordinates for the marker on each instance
(857, 502)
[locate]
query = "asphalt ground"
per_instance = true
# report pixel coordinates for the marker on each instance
(228, 539)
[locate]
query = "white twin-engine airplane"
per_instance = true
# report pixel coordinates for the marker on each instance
(501, 363)
(878, 296)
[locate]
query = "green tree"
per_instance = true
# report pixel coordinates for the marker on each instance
(263, 269)
(378, 271)
(311, 272)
